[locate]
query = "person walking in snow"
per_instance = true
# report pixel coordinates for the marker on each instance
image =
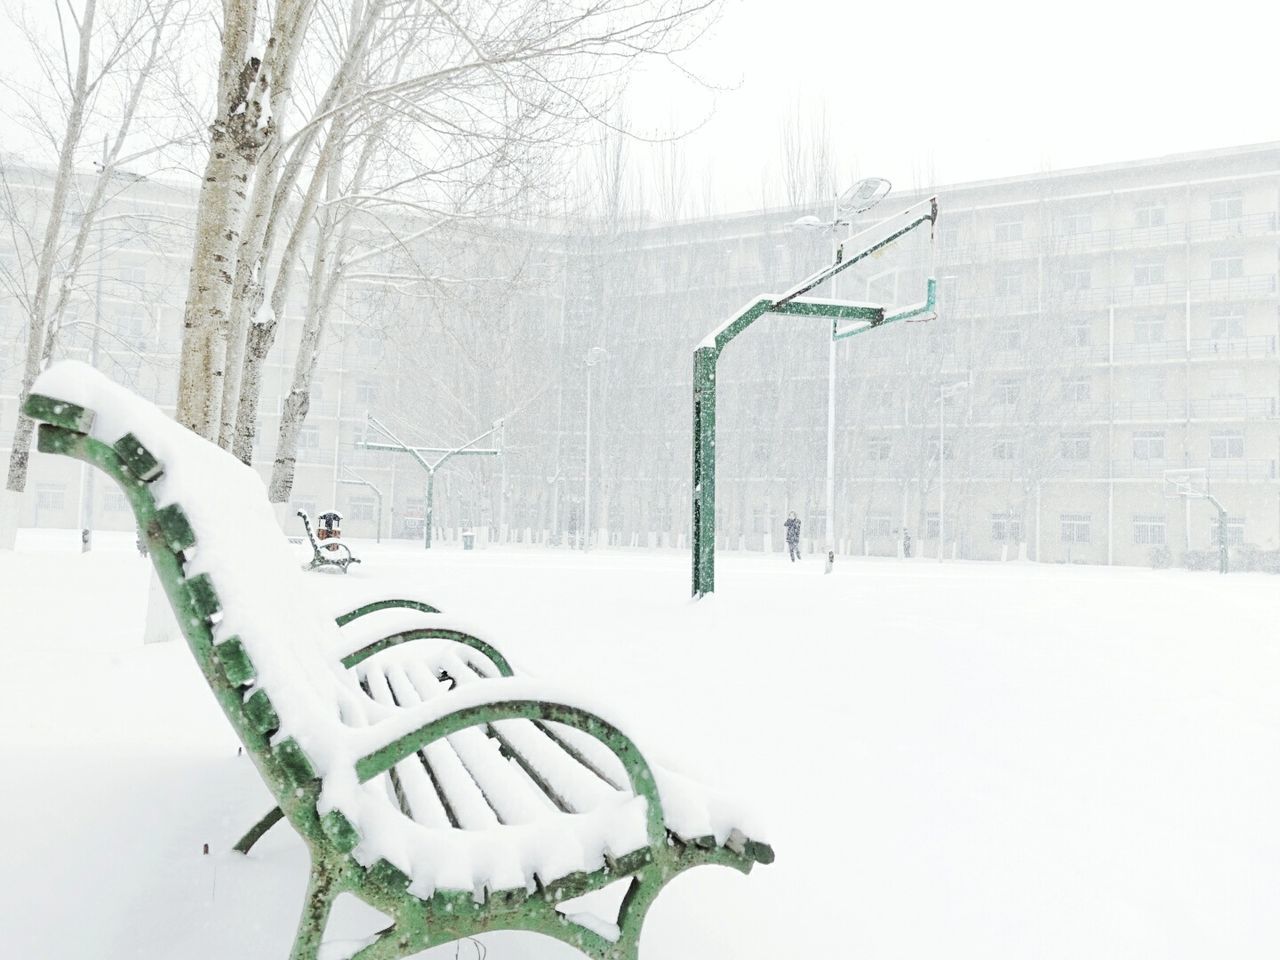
(793, 536)
(906, 543)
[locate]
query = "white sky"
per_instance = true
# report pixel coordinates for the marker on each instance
(942, 92)
(976, 90)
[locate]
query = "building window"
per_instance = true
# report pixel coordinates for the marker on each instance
(949, 289)
(1225, 384)
(362, 508)
(1006, 392)
(368, 343)
(366, 392)
(309, 437)
(50, 496)
(948, 450)
(1149, 215)
(1074, 446)
(1075, 389)
(1076, 280)
(878, 526)
(1148, 445)
(1008, 230)
(114, 501)
(1009, 284)
(1226, 445)
(882, 396)
(1075, 527)
(1235, 531)
(1004, 448)
(1149, 385)
(1074, 224)
(1006, 528)
(1148, 531)
(1078, 332)
(1008, 335)
(1145, 274)
(1148, 328)
(1227, 206)
(1226, 268)
(878, 448)
(1228, 325)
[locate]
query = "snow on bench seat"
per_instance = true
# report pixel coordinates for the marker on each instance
(456, 816)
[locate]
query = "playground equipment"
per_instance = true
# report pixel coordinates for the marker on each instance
(442, 455)
(848, 319)
(1192, 483)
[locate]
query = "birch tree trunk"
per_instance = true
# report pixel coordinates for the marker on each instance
(265, 211)
(241, 130)
(262, 327)
(253, 331)
(297, 404)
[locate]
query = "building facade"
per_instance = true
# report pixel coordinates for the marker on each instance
(1097, 328)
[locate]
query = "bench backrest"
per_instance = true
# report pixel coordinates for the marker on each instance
(229, 571)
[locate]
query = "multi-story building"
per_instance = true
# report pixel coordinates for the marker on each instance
(1097, 328)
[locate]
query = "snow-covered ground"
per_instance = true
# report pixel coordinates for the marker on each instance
(971, 761)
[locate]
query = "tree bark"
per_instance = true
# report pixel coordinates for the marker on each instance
(253, 333)
(238, 135)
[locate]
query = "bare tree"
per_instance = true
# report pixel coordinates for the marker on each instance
(529, 49)
(242, 127)
(124, 49)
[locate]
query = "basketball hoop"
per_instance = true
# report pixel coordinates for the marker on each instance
(1188, 482)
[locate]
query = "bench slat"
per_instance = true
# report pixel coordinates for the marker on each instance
(509, 794)
(424, 801)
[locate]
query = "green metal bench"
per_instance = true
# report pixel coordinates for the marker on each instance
(455, 808)
(335, 554)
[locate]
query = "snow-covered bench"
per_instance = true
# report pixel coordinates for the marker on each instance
(452, 808)
(334, 553)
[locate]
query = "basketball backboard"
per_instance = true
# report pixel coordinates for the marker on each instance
(1186, 482)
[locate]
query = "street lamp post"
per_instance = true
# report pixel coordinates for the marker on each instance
(858, 199)
(943, 392)
(594, 356)
(860, 318)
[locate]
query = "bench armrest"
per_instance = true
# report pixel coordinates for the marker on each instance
(363, 639)
(385, 604)
(385, 744)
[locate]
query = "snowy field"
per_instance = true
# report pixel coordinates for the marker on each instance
(966, 761)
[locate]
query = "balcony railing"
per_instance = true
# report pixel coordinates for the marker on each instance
(1206, 408)
(1094, 241)
(1214, 469)
(1236, 348)
(1120, 295)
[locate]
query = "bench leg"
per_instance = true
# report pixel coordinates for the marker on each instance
(272, 817)
(315, 914)
(644, 889)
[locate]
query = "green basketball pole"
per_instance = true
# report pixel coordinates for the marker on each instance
(864, 318)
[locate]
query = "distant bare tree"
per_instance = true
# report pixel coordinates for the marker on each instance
(122, 49)
(535, 52)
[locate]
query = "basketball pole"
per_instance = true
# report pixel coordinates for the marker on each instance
(793, 303)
